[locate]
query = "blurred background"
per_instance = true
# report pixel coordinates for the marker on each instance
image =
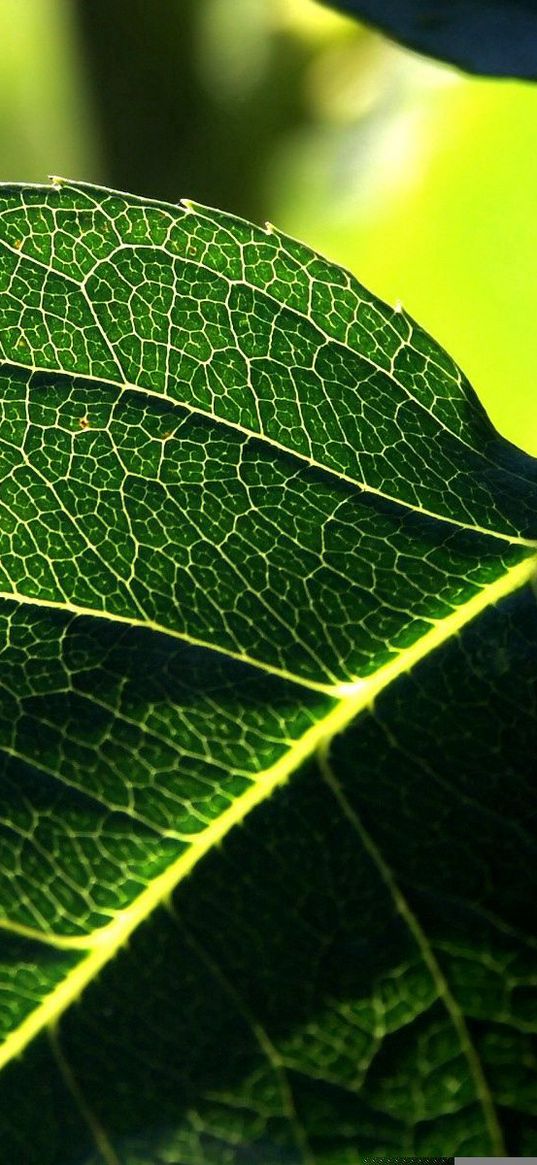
(421, 181)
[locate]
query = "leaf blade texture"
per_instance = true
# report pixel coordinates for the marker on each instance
(244, 502)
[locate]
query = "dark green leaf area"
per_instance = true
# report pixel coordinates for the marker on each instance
(497, 38)
(120, 746)
(29, 972)
(258, 1029)
(35, 1097)
(232, 484)
(256, 330)
(509, 1057)
(459, 736)
(270, 1033)
(118, 503)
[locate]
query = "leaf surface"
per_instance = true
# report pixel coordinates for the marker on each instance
(492, 37)
(242, 500)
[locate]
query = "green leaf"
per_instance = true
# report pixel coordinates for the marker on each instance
(495, 38)
(256, 534)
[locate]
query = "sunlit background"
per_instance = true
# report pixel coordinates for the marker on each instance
(421, 181)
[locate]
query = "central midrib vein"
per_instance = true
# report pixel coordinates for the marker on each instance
(340, 689)
(100, 946)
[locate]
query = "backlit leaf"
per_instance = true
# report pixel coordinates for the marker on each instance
(257, 537)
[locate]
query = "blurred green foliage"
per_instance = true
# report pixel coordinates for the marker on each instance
(45, 106)
(421, 181)
(190, 97)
